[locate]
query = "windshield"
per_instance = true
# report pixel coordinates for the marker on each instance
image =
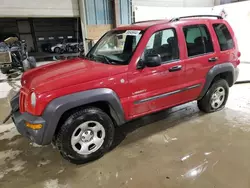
(116, 47)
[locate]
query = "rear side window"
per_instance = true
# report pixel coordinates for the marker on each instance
(224, 37)
(198, 40)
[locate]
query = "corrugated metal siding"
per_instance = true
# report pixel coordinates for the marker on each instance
(174, 3)
(98, 12)
(125, 11)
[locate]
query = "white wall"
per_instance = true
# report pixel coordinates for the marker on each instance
(238, 16)
(174, 3)
(152, 13)
(39, 8)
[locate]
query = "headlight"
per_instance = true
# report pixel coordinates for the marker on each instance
(33, 99)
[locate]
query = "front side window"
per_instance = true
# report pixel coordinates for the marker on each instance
(165, 44)
(198, 40)
(224, 37)
(116, 47)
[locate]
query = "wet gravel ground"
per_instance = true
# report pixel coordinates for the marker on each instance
(180, 147)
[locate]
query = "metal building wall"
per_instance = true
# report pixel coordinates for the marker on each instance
(98, 12)
(125, 11)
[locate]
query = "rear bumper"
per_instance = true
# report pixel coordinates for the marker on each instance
(34, 135)
(236, 74)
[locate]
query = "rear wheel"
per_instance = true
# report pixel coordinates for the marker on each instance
(85, 136)
(216, 97)
(76, 50)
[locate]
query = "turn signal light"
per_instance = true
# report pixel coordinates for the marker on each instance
(34, 126)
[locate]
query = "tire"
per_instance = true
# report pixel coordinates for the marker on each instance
(81, 130)
(5, 71)
(214, 99)
(57, 50)
(26, 65)
(76, 50)
(32, 62)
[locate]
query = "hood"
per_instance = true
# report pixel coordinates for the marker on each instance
(67, 73)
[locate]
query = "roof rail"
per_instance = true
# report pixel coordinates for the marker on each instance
(144, 21)
(194, 16)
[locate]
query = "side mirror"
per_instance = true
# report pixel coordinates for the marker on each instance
(153, 60)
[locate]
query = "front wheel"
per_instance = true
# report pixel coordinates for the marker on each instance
(5, 70)
(216, 97)
(85, 136)
(57, 50)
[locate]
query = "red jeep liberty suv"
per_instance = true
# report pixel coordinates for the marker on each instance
(131, 71)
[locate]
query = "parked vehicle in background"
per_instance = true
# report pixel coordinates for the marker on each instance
(14, 55)
(130, 72)
(67, 45)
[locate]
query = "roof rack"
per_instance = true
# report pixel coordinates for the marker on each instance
(145, 21)
(194, 16)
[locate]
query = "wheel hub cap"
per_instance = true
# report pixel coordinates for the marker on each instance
(218, 97)
(87, 136)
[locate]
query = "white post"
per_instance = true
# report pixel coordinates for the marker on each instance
(82, 11)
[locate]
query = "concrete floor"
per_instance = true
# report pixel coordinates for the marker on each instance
(180, 147)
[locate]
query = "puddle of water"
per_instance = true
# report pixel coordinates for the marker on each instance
(54, 183)
(43, 162)
(8, 131)
(17, 165)
(8, 154)
(196, 171)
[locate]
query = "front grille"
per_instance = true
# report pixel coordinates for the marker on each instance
(22, 100)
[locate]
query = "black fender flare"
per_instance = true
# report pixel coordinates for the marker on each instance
(58, 106)
(216, 70)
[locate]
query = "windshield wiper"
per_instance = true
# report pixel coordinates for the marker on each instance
(106, 59)
(98, 57)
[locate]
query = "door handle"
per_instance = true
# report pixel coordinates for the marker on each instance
(212, 59)
(175, 68)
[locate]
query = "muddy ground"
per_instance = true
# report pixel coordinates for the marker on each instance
(180, 147)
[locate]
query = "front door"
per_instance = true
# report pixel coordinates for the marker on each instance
(155, 88)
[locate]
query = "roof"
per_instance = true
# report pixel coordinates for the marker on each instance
(145, 24)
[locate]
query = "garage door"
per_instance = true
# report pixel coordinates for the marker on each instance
(53, 30)
(39, 8)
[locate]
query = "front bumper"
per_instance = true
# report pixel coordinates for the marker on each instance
(34, 135)
(20, 119)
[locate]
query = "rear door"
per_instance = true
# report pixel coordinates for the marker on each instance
(227, 44)
(201, 56)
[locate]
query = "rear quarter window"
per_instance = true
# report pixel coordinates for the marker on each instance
(224, 37)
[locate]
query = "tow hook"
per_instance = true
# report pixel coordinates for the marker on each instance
(7, 118)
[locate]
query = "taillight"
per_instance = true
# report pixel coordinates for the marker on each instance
(238, 54)
(238, 62)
